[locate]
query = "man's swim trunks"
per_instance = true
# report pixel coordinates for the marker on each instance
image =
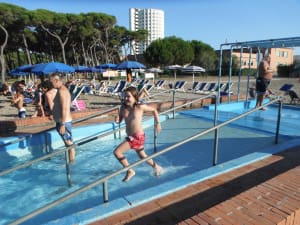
(262, 85)
(22, 113)
(136, 141)
(68, 133)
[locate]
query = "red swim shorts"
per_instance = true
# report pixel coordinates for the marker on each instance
(136, 141)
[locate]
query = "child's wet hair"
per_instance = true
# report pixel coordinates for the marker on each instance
(133, 91)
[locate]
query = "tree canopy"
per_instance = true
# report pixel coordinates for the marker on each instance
(42, 35)
(174, 50)
(35, 36)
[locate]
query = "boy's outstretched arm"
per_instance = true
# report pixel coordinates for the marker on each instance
(147, 108)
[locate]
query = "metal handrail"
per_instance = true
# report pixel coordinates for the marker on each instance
(105, 179)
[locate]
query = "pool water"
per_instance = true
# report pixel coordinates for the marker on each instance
(28, 189)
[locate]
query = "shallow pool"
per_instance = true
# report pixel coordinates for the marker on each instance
(247, 140)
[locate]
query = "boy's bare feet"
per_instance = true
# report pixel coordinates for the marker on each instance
(158, 170)
(130, 173)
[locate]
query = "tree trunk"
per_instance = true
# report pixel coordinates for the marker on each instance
(27, 50)
(2, 59)
(62, 43)
(76, 59)
(91, 55)
(84, 54)
(19, 58)
(95, 56)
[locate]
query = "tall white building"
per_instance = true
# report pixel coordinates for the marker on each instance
(152, 20)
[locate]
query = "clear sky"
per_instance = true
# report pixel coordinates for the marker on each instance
(213, 22)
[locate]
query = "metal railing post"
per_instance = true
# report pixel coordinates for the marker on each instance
(278, 122)
(119, 124)
(68, 167)
(105, 191)
(155, 137)
(174, 103)
(216, 141)
(216, 147)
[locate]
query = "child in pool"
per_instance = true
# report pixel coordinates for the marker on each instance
(132, 112)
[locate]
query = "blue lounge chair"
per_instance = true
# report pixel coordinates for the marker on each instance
(160, 84)
(210, 88)
(72, 88)
(180, 85)
(177, 83)
(201, 87)
(88, 90)
(118, 89)
(74, 96)
(227, 89)
(194, 86)
(285, 88)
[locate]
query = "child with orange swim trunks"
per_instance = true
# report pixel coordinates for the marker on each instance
(132, 112)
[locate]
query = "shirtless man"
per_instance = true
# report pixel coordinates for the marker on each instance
(132, 112)
(18, 101)
(62, 114)
(265, 75)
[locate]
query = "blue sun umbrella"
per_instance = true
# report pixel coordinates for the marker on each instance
(107, 66)
(25, 68)
(95, 70)
(80, 68)
(52, 67)
(130, 65)
(15, 72)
